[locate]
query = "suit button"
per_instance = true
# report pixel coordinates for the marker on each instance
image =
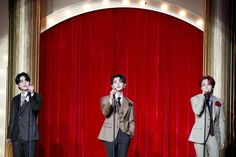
(19, 117)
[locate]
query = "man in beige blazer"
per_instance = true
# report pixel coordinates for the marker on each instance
(117, 138)
(209, 116)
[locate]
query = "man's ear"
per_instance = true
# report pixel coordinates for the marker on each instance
(112, 86)
(124, 85)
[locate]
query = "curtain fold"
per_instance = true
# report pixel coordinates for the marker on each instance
(162, 59)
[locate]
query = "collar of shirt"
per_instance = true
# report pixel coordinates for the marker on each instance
(26, 96)
(121, 96)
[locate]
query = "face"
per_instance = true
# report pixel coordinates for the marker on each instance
(23, 84)
(118, 85)
(206, 87)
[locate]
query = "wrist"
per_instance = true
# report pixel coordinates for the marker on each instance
(110, 101)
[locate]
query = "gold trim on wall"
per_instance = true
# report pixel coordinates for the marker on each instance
(219, 60)
(24, 33)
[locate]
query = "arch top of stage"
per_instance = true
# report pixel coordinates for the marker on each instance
(162, 60)
(164, 7)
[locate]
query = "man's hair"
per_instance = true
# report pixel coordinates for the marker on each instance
(210, 79)
(122, 78)
(17, 79)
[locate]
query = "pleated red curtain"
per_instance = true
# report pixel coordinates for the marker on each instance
(162, 59)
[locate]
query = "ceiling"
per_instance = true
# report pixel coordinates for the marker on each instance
(50, 6)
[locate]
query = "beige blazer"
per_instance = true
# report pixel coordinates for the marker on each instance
(124, 119)
(197, 133)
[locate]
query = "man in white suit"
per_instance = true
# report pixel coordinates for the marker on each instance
(209, 117)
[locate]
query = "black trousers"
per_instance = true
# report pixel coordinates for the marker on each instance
(23, 148)
(121, 145)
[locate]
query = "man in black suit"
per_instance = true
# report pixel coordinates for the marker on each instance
(23, 129)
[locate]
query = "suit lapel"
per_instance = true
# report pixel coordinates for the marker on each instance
(125, 105)
(18, 100)
(25, 103)
(214, 108)
(23, 106)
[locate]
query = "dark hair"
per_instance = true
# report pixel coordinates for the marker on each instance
(17, 79)
(122, 78)
(209, 78)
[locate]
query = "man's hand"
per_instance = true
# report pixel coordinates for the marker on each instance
(112, 92)
(222, 146)
(31, 88)
(9, 141)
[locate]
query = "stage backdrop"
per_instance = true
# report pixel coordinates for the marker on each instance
(162, 59)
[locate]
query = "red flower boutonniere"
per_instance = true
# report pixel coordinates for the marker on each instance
(218, 104)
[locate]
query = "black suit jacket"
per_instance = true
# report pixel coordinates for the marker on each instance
(23, 119)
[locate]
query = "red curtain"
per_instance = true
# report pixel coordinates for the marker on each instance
(161, 57)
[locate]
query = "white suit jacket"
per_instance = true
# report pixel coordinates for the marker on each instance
(197, 133)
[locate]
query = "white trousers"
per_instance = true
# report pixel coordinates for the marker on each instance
(212, 148)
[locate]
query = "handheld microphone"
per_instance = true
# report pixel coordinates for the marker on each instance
(114, 95)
